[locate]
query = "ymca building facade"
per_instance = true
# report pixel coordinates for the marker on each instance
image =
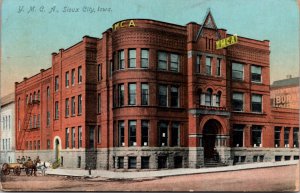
(152, 95)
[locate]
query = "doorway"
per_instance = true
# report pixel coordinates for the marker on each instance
(210, 131)
(56, 149)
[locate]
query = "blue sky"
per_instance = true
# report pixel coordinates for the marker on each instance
(28, 39)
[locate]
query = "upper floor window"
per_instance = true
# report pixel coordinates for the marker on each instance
(256, 103)
(67, 137)
(132, 94)
(208, 97)
(255, 73)
(218, 99)
(162, 134)
(38, 95)
(237, 101)
(56, 83)
(121, 94)
(144, 58)
(121, 133)
(121, 59)
(175, 140)
(277, 132)
(79, 136)
(238, 135)
(174, 62)
(79, 74)
(174, 97)
(198, 63)
(73, 106)
(48, 92)
(99, 103)
(286, 136)
(99, 72)
(132, 58)
(56, 110)
(73, 77)
(67, 107)
(162, 60)
(163, 95)
(132, 133)
(67, 79)
(296, 137)
(218, 67)
(237, 71)
(79, 104)
(145, 94)
(145, 132)
(208, 65)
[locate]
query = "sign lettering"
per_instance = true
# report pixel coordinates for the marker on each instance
(123, 24)
(226, 42)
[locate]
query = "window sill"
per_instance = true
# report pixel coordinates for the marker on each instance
(254, 82)
(79, 114)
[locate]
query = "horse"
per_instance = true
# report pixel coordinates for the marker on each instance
(31, 165)
(43, 165)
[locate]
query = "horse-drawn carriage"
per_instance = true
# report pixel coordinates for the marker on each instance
(16, 168)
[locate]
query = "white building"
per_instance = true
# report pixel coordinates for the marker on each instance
(7, 131)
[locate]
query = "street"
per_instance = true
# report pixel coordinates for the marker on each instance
(281, 178)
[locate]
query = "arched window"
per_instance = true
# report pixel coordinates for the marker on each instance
(34, 95)
(38, 95)
(218, 99)
(208, 97)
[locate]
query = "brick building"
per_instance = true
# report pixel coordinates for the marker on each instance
(151, 95)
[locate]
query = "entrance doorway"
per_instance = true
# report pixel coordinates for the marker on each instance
(56, 149)
(210, 130)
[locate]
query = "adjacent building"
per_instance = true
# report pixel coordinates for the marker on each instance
(152, 95)
(7, 129)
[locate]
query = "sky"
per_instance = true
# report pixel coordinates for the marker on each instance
(29, 37)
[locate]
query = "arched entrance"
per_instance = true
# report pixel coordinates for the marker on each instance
(56, 147)
(210, 130)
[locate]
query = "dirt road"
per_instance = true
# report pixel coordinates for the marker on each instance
(265, 179)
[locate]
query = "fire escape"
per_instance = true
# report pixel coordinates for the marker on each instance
(25, 123)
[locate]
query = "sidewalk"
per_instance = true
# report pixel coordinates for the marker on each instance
(163, 173)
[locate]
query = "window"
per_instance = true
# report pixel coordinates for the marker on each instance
(121, 133)
(38, 95)
(121, 59)
(79, 104)
(208, 65)
(145, 160)
(145, 94)
(56, 83)
(99, 103)
(48, 93)
(67, 137)
(120, 162)
(175, 137)
(48, 118)
(67, 79)
(73, 77)
(121, 94)
(111, 68)
(79, 74)
(131, 162)
(56, 110)
(174, 97)
(163, 134)
(99, 134)
(67, 107)
(218, 70)
(48, 143)
(79, 162)
(145, 133)
(34, 121)
(34, 145)
(132, 94)
(131, 58)
(132, 133)
(256, 136)
(238, 101)
(177, 161)
(295, 137)
(286, 136)
(162, 162)
(27, 98)
(73, 106)
(144, 58)
(91, 137)
(238, 135)
(277, 131)
(79, 136)
(237, 71)
(256, 103)
(198, 64)
(99, 72)
(255, 73)
(73, 137)
(208, 97)
(162, 60)
(38, 144)
(218, 99)
(174, 62)
(162, 95)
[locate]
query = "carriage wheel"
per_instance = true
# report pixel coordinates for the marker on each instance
(5, 169)
(28, 171)
(17, 171)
